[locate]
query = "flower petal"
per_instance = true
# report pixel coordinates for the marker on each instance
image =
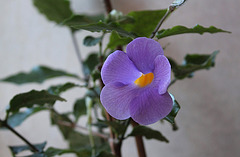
(162, 74)
(119, 68)
(143, 51)
(116, 97)
(149, 107)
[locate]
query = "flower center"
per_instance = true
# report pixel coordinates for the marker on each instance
(144, 80)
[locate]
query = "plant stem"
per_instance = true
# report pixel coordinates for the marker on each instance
(174, 127)
(122, 137)
(101, 55)
(5, 124)
(114, 147)
(139, 142)
(89, 104)
(170, 10)
(76, 47)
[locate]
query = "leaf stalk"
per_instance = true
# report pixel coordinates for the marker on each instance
(169, 11)
(5, 124)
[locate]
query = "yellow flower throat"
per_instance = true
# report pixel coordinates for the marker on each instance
(144, 80)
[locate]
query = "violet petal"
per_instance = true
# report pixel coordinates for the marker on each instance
(143, 51)
(116, 97)
(149, 107)
(119, 68)
(162, 74)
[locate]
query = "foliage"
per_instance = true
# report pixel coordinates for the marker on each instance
(148, 133)
(17, 118)
(83, 141)
(192, 63)
(176, 107)
(176, 30)
(32, 98)
(17, 149)
(38, 75)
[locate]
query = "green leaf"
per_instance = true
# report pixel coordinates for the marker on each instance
(148, 133)
(182, 30)
(90, 63)
(55, 151)
(140, 24)
(79, 108)
(91, 41)
(100, 125)
(17, 149)
(96, 75)
(78, 141)
(32, 98)
(76, 20)
(59, 11)
(105, 154)
(93, 92)
(60, 120)
(58, 89)
(176, 107)
(193, 62)
(145, 22)
(17, 118)
(36, 155)
(85, 152)
(115, 40)
(103, 27)
(38, 74)
(54, 10)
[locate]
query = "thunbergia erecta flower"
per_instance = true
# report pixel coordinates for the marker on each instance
(136, 82)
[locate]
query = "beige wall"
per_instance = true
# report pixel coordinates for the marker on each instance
(209, 118)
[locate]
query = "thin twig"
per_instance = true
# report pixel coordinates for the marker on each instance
(5, 124)
(139, 142)
(112, 135)
(170, 10)
(76, 47)
(126, 126)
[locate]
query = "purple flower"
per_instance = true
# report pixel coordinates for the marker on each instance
(136, 82)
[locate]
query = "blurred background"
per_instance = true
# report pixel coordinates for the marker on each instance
(209, 122)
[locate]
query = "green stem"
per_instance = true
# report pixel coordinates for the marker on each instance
(122, 136)
(5, 124)
(126, 126)
(7, 115)
(169, 11)
(105, 51)
(91, 140)
(100, 44)
(89, 104)
(76, 47)
(101, 54)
